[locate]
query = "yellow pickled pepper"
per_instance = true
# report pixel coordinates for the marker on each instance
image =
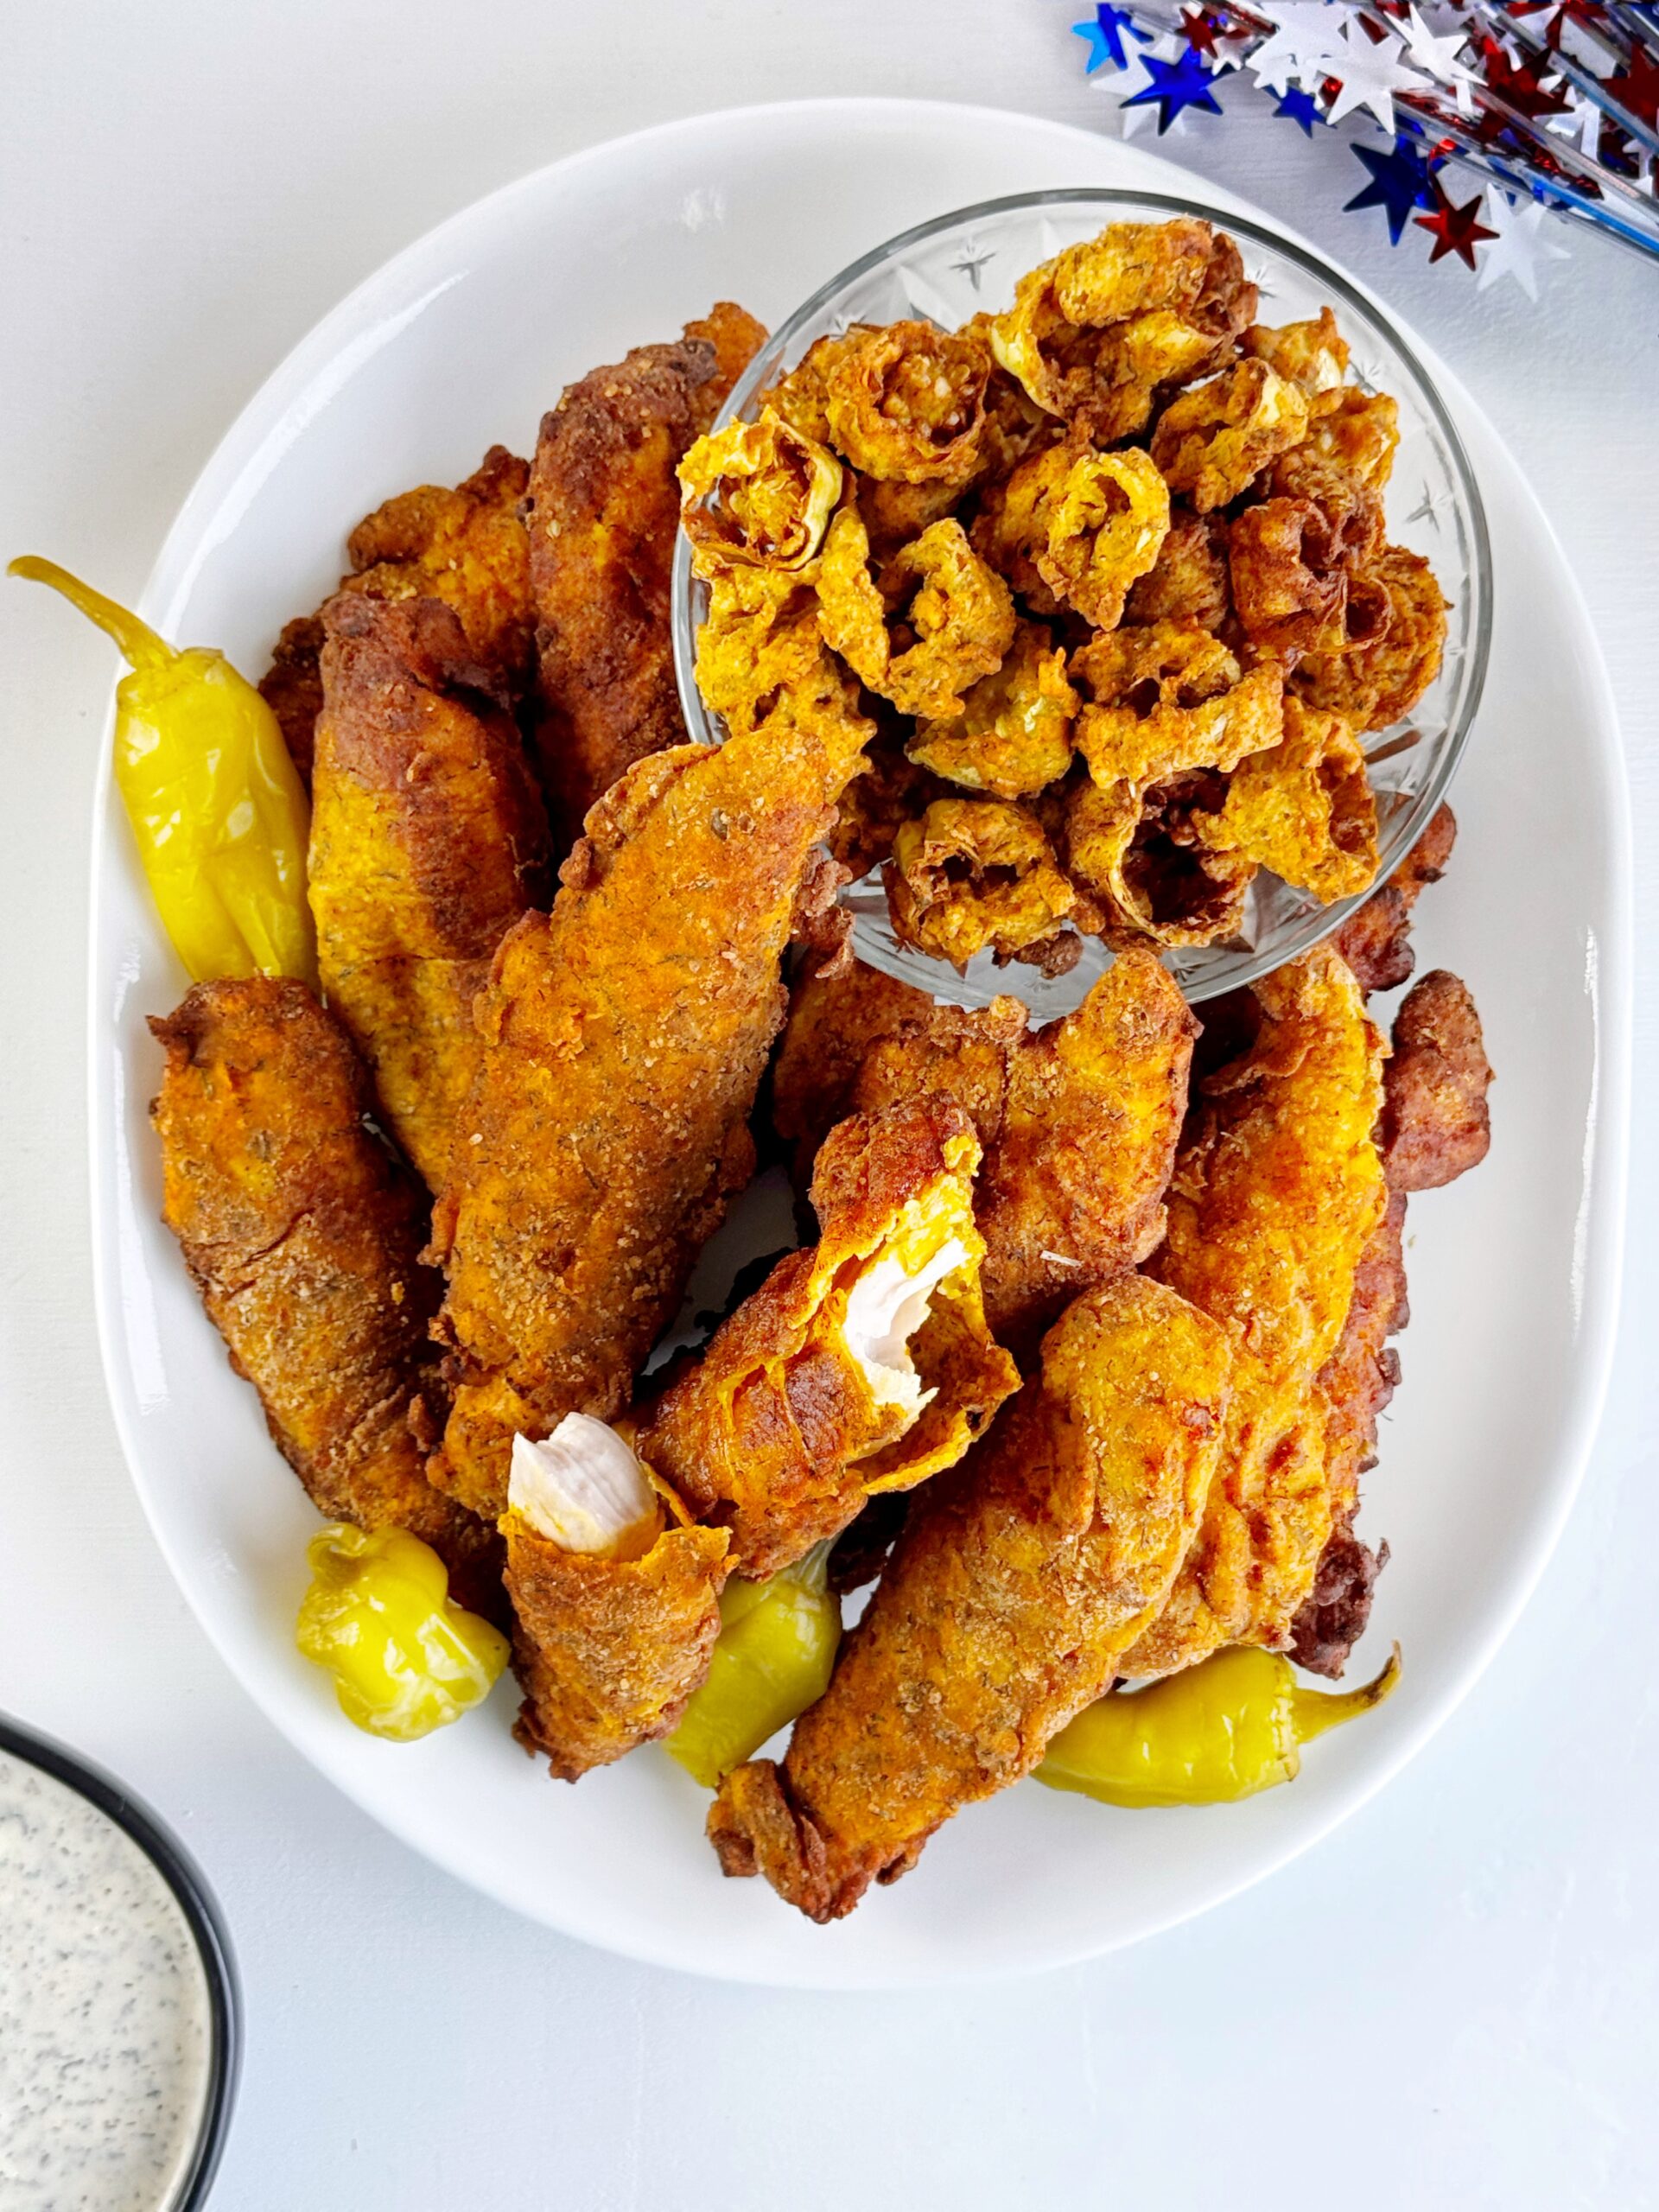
(216, 804)
(776, 1649)
(1218, 1731)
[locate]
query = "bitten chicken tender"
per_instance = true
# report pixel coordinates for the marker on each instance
(973, 874)
(1305, 808)
(604, 511)
(1007, 1607)
(1277, 1190)
(429, 840)
(1377, 682)
(625, 1036)
(468, 547)
(1013, 734)
(861, 1365)
(304, 1237)
(1076, 528)
(1213, 442)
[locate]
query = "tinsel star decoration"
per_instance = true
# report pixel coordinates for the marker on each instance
(1105, 31)
(1176, 85)
(1454, 230)
(1401, 183)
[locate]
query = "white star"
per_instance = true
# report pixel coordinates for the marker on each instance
(1521, 244)
(1437, 57)
(1580, 119)
(1370, 75)
(1304, 41)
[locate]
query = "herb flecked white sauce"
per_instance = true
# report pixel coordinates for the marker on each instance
(105, 2020)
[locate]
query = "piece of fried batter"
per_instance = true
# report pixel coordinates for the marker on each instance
(604, 508)
(428, 841)
(1277, 1190)
(467, 547)
(304, 1237)
(861, 1365)
(1376, 939)
(1005, 1608)
(625, 1037)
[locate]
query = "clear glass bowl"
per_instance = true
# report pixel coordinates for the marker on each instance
(950, 268)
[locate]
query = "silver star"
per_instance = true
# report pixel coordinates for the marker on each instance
(1258, 278)
(972, 262)
(1428, 508)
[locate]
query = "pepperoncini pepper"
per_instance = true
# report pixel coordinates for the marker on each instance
(216, 804)
(1221, 1730)
(777, 1644)
(379, 1619)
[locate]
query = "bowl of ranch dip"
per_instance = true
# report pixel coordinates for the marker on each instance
(118, 2011)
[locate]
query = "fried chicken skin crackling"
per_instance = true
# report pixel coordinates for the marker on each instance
(1277, 1190)
(604, 508)
(861, 1365)
(304, 1237)
(1007, 1606)
(625, 1035)
(428, 841)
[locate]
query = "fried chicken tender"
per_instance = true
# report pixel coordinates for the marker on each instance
(1277, 1190)
(1305, 808)
(608, 1651)
(303, 1237)
(1375, 940)
(1079, 1121)
(1076, 528)
(1212, 442)
(1007, 1607)
(861, 1365)
(428, 840)
(625, 1036)
(1012, 735)
(972, 874)
(467, 547)
(604, 509)
(1377, 681)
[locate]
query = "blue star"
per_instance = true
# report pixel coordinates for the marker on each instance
(1176, 85)
(1301, 107)
(1400, 181)
(1105, 37)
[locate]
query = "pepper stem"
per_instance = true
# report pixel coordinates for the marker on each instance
(140, 646)
(1314, 1711)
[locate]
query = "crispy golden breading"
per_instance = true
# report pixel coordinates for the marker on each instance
(625, 1037)
(467, 547)
(1142, 861)
(1277, 1190)
(891, 791)
(1188, 581)
(975, 873)
(1213, 442)
(1289, 585)
(1168, 699)
(959, 614)
(604, 510)
(1375, 683)
(1007, 1606)
(1012, 735)
(758, 495)
(1305, 808)
(760, 635)
(1076, 528)
(1376, 939)
(304, 1237)
(904, 403)
(428, 841)
(608, 1651)
(1435, 1122)
(777, 1432)
(1314, 354)
(1347, 429)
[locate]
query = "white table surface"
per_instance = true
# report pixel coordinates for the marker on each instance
(1453, 2002)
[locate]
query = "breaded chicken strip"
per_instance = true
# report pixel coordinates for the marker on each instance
(429, 840)
(625, 1037)
(1277, 1190)
(467, 547)
(861, 1365)
(1005, 1608)
(603, 512)
(303, 1236)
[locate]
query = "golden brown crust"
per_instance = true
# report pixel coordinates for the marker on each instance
(603, 511)
(304, 1238)
(292, 687)
(1007, 1607)
(608, 1651)
(625, 1037)
(1376, 939)
(428, 841)
(1435, 1122)
(775, 1432)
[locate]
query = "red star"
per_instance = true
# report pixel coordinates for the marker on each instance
(1201, 31)
(1456, 229)
(1637, 87)
(1520, 83)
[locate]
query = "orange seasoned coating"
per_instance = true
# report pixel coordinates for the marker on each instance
(604, 511)
(758, 494)
(1213, 442)
(428, 840)
(1289, 584)
(973, 874)
(778, 1433)
(1076, 528)
(1277, 1190)
(760, 635)
(468, 547)
(304, 1237)
(1304, 809)
(625, 1036)
(1007, 1606)
(875, 805)
(1012, 735)
(904, 401)
(852, 612)
(1188, 581)
(1314, 354)
(1168, 698)
(960, 614)
(608, 1651)
(1349, 429)
(1375, 684)
(1375, 940)
(1435, 1122)
(1144, 858)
